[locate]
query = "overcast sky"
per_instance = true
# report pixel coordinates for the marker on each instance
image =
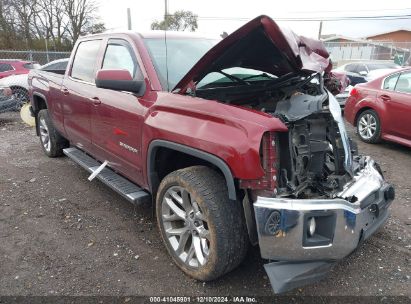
(114, 14)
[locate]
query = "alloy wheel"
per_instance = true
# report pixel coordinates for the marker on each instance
(367, 126)
(185, 227)
(44, 135)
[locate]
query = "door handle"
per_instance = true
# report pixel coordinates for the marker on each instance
(65, 91)
(95, 100)
(385, 97)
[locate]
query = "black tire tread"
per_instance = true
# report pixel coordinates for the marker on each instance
(232, 241)
(58, 142)
(377, 137)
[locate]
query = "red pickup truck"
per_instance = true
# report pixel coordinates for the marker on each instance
(234, 143)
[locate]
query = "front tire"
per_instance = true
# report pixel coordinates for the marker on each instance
(202, 229)
(369, 127)
(51, 141)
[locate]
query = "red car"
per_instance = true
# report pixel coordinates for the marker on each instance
(380, 109)
(249, 146)
(10, 67)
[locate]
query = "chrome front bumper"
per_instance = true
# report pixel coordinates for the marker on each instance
(342, 222)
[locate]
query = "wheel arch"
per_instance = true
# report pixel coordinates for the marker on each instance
(363, 109)
(39, 102)
(198, 156)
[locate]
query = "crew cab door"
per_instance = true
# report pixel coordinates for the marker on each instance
(398, 103)
(77, 88)
(117, 116)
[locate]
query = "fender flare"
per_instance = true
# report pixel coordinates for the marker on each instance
(218, 162)
(42, 97)
(36, 110)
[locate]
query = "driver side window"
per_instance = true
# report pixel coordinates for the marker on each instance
(119, 56)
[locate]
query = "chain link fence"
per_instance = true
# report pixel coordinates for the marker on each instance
(42, 57)
(19, 92)
(341, 52)
(344, 52)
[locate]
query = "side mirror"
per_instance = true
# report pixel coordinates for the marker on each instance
(363, 73)
(119, 80)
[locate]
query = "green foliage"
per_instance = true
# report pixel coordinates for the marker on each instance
(179, 21)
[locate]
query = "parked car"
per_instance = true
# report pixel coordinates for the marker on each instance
(7, 102)
(362, 73)
(380, 109)
(364, 67)
(353, 79)
(10, 67)
(19, 84)
(374, 74)
(233, 144)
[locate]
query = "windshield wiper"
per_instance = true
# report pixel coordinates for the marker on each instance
(234, 78)
(265, 75)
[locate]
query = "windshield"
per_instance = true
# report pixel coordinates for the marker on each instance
(378, 66)
(235, 74)
(182, 54)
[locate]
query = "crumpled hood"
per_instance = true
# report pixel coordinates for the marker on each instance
(261, 45)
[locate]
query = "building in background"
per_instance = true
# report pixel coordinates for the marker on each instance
(398, 36)
(394, 46)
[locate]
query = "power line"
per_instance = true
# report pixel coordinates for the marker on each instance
(351, 11)
(337, 18)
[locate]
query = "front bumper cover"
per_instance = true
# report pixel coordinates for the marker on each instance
(351, 217)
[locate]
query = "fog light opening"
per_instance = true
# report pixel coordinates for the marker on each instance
(311, 226)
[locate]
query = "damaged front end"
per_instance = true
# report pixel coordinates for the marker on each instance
(318, 198)
(317, 157)
(329, 199)
(304, 237)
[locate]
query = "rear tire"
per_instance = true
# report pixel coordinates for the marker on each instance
(202, 229)
(51, 141)
(369, 127)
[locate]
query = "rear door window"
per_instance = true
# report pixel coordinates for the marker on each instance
(5, 67)
(58, 66)
(390, 82)
(85, 61)
(404, 83)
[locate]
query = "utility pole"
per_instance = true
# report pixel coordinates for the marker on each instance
(128, 18)
(320, 30)
(165, 13)
(47, 48)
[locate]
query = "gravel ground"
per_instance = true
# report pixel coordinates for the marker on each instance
(63, 235)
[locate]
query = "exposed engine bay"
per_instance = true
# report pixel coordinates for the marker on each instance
(312, 154)
(312, 158)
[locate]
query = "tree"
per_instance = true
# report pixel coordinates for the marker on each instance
(80, 14)
(50, 20)
(56, 23)
(95, 28)
(25, 11)
(179, 21)
(224, 35)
